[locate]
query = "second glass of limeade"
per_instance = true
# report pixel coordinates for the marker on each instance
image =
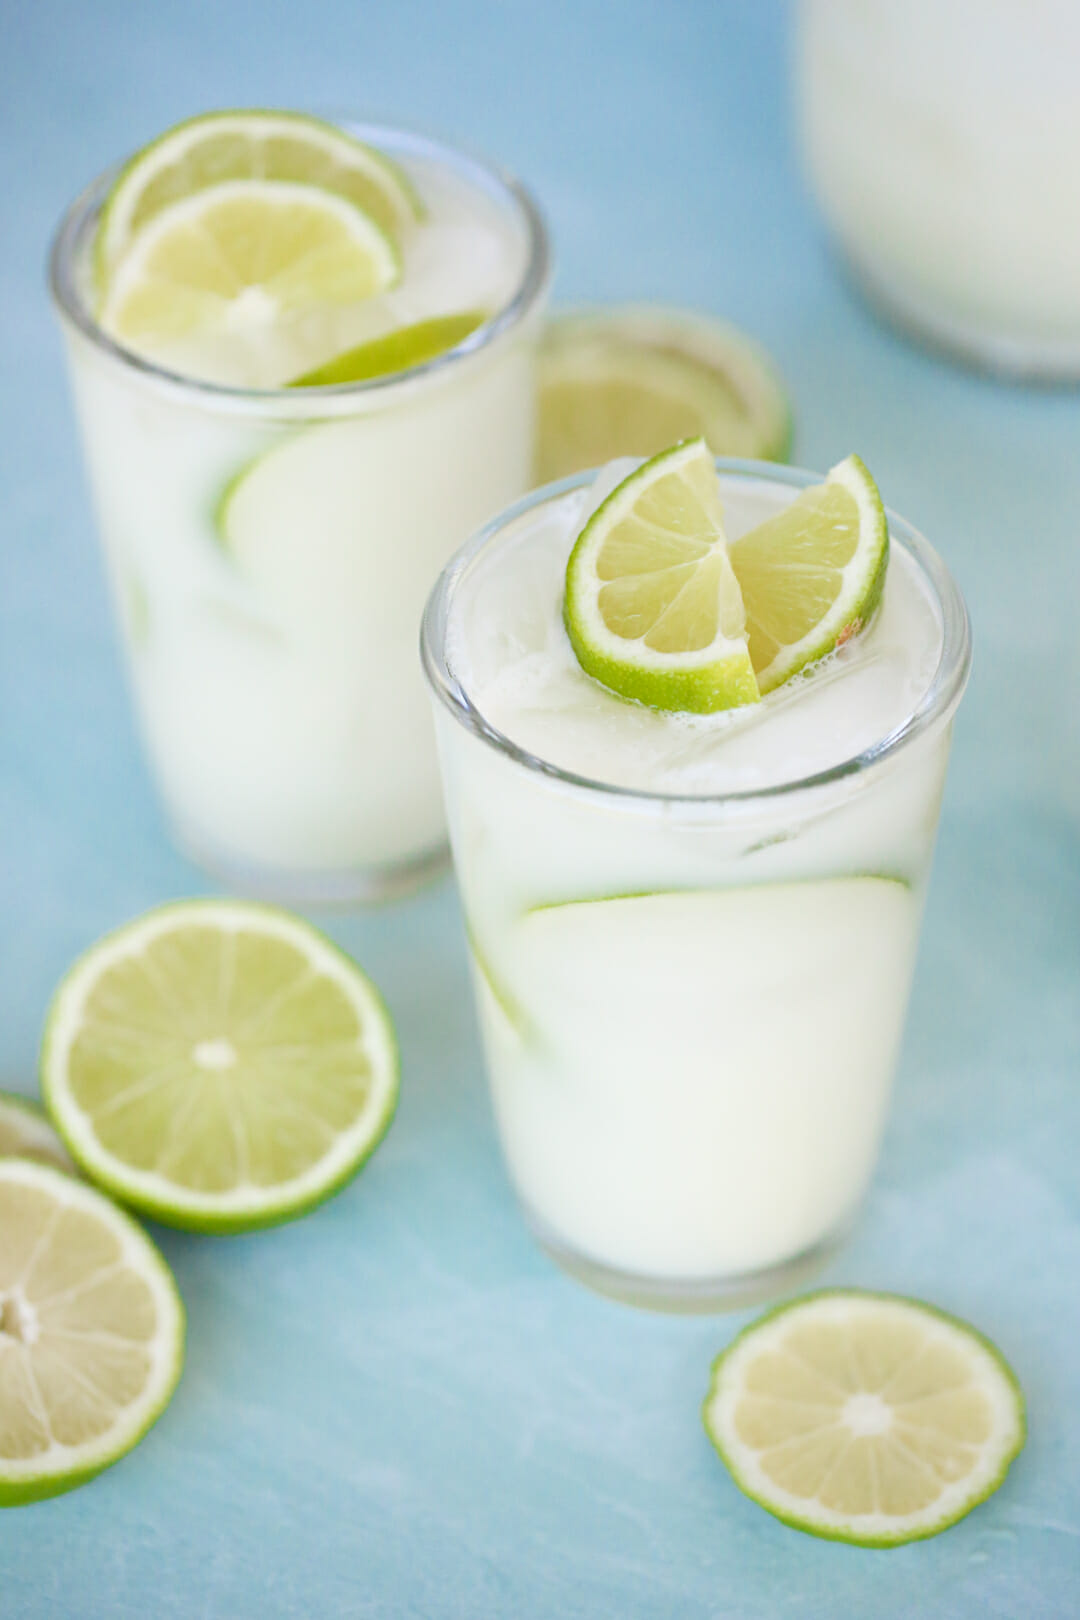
(303, 362)
(693, 934)
(941, 139)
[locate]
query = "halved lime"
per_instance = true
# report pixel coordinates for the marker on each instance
(91, 1333)
(653, 609)
(864, 1417)
(812, 576)
(250, 145)
(236, 260)
(633, 379)
(221, 1066)
(25, 1133)
(395, 351)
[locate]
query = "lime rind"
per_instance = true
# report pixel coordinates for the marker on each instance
(397, 351)
(863, 579)
(121, 218)
(717, 676)
(870, 1530)
(30, 1480)
(247, 1208)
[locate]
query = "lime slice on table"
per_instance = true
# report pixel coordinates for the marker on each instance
(220, 1066)
(394, 351)
(864, 1417)
(630, 381)
(812, 576)
(25, 1133)
(257, 145)
(91, 1333)
(231, 264)
(653, 609)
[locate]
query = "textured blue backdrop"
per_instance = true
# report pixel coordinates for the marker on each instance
(396, 1407)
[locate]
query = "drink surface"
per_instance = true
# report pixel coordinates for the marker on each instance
(508, 648)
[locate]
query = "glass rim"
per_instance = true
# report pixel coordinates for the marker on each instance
(936, 706)
(533, 285)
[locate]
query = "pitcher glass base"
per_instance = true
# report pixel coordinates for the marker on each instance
(688, 1296)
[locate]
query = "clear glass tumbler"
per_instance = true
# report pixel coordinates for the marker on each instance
(270, 552)
(691, 1007)
(940, 138)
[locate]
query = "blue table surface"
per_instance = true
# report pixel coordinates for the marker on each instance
(397, 1407)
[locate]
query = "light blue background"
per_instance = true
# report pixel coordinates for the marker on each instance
(397, 1407)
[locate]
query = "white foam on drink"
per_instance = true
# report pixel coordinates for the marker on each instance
(508, 648)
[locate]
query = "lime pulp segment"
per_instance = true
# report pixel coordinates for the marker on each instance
(219, 1065)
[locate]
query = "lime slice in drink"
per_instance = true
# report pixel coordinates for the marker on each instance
(231, 263)
(653, 609)
(630, 381)
(864, 1417)
(221, 146)
(91, 1333)
(812, 576)
(394, 351)
(25, 1133)
(220, 1066)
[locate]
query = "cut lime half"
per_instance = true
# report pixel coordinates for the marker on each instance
(864, 1417)
(25, 1133)
(221, 1066)
(250, 145)
(630, 380)
(91, 1333)
(812, 577)
(230, 265)
(652, 607)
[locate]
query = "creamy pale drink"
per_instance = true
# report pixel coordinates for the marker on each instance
(693, 929)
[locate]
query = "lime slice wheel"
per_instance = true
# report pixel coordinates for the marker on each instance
(91, 1333)
(399, 350)
(653, 609)
(812, 576)
(25, 1133)
(632, 380)
(216, 147)
(220, 1066)
(239, 258)
(864, 1417)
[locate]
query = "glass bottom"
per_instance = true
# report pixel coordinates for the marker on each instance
(1020, 358)
(688, 1296)
(350, 886)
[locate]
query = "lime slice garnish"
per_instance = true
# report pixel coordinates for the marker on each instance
(233, 262)
(630, 381)
(91, 1333)
(652, 607)
(394, 351)
(221, 1066)
(25, 1133)
(812, 576)
(864, 1417)
(223, 146)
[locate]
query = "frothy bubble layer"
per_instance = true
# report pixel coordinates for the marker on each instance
(508, 648)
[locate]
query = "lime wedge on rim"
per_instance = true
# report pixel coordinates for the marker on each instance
(25, 1133)
(219, 1065)
(238, 259)
(250, 145)
(652, 607)
(631, 380)
(812, 576)
(399, 350)
(865, 1418)
(91, 1333)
